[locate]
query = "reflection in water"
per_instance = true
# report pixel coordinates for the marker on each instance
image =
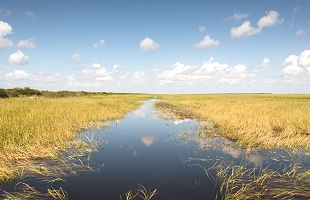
(148, 140)
(233, 151)
(255, 158)
(181, 120)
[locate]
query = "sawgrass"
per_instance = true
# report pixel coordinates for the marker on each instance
(260, 120)
(244, 182)
(40, 128)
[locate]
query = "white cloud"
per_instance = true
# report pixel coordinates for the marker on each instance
(41, 76)
(17, 75)
(18, 58)
(271, 19)
(148, 44)
(237, 16)
(263, 65)
(265, 62)
(31, 15)
(206, 42)
(100, 43)
(5, 12)
(27, 44)
(228, 81)
(291, 66)
(189, 75)
(245, 30)
(202, 28)
(138, 77)
(96, 72)
(301, 31)
(5, 29)
(77, 58)
(304, 59)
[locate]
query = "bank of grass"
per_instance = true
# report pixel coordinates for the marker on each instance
(263, 120)
(39, 128)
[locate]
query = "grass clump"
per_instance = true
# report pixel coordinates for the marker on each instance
(141, 192)
(40, 128)
(243, 182)
(264, 120)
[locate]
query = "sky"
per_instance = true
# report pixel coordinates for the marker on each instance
(156, 46)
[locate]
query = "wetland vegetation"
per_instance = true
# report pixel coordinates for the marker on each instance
(251, 146)
(251, 120)
(37, 128)
(255, 122)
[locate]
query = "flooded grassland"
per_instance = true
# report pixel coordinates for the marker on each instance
(271, 129)
(190, 147)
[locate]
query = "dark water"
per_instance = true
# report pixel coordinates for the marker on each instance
(159, 154)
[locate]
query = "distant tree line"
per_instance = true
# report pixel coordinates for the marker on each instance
(28, 92)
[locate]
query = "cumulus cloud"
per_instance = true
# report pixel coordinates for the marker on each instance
(301, 32)
(188, 75)
(5, 12)
(77, 58)
(291, 66)
(138, 77)
(41, 76)
(265, 62)
(31, 15)
(263, 65)
(27, 44)
(237, 16)
(18, 58)
(148, 44)
(100, 43)
(97, 72)
(206, 42)
(245, 30)
(202, 28)
(304, 59)
(5, 29)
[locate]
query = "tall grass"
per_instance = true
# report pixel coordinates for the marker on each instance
(37, 128)
(250, 119)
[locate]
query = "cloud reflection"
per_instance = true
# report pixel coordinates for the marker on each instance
(234, 152)
(180, 121)
(148, 140)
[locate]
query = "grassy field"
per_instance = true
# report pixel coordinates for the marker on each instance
(264, 120)
(36, 128)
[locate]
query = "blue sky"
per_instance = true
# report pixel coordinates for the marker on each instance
(156, 46)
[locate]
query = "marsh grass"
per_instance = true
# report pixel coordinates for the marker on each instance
(25, 191)
(264, 120)
(244, 182)
(33, 129)
(141, 192)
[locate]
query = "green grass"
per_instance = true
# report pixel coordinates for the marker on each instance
(39, 128)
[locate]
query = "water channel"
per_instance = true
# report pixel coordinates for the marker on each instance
(159, 154)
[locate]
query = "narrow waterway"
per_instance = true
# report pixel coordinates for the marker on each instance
(165, 155)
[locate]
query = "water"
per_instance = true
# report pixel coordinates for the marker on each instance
(159, 154)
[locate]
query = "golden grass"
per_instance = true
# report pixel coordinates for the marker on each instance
(37, 128)
(243, 182)
(264, 120)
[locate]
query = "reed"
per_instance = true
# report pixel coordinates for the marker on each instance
(40, 128)
(263, 120)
